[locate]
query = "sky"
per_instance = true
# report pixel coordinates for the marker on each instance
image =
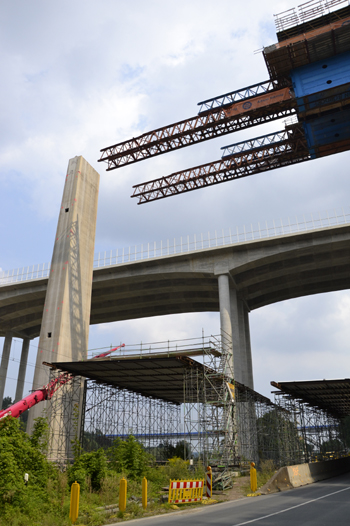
(81, 75)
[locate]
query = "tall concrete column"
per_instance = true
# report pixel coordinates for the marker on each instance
(22, 370)
(66, 317)
(248, 353)
(225, 316)
(4, 365)
(242, 341)
(236, 344)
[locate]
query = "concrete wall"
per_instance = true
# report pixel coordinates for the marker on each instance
(301, 474)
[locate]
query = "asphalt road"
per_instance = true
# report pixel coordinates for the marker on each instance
(322, 503)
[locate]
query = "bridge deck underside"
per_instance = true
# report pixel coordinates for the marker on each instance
(332, 396)
(264, 271)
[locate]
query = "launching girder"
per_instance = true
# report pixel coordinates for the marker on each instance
(273, 104)
(240, 160)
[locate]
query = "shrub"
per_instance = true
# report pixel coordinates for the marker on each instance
(128, 456)
(20, 454)
(92, 465)
(177, 468)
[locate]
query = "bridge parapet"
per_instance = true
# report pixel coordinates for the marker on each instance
(194, 243)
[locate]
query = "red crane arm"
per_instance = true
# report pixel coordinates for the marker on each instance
(240, 160)
(216, 121)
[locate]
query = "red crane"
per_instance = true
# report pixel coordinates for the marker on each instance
(46, 392)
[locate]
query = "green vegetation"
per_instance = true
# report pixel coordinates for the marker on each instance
(44, 501)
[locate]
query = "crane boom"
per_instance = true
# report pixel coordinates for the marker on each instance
(213, 121)
(239, 160)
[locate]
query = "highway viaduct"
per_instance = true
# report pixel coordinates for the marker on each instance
(232, 279)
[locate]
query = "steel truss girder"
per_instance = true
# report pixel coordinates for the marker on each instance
(191, 131)
(290, 148)
(242, 94)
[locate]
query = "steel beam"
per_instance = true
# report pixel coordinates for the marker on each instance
(290, 147)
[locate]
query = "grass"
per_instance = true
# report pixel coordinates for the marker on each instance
(55, 512)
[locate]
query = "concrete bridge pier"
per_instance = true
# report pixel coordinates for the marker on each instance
(22, 370)
(66, 316)
(234, 321)
(225, 319)
(4, 364)
(245, 355)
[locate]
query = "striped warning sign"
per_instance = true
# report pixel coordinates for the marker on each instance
(209, 482)
(182, 491)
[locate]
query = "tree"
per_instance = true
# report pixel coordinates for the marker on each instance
(19, 454)
(128, 456)
(6, 402)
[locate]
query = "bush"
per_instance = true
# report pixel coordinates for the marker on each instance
(128, 456)
(19, 454)
(177, 468)
(89, 465)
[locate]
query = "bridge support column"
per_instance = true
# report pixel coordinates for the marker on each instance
(4, 365)
(249, 361)
(225, 318)
(22, 370)
(245, 349)
(245, 409)
(236, 336)
(66, 317)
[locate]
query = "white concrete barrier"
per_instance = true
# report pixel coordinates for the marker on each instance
(301, 474)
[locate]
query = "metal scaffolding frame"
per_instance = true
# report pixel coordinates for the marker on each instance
(171, 400)
(320, 434)
(110, 413)
(63, 413)
(209, 409)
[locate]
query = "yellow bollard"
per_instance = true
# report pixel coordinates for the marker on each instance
(74, 502)
(253, 478)
(122, 494)
(144, 493)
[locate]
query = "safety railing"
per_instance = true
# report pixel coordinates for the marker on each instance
(185, 244)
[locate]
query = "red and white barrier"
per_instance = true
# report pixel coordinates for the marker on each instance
(209, 483)
(181, 491)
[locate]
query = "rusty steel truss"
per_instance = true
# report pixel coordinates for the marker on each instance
(208, 124)
(264, 153)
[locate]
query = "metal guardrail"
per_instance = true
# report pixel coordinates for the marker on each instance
(170, 247)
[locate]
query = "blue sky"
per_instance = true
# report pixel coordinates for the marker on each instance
(79, 76)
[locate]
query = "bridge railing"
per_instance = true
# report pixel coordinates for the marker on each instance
(185, 244)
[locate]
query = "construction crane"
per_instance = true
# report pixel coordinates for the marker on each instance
(46, 392)
(309, 81)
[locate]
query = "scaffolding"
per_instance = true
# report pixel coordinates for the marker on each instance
(110, 413)
(180, 398)
(320, 434)
(63, 413)
(266, 431)
(209, 407)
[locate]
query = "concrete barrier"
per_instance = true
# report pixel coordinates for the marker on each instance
(301, 474)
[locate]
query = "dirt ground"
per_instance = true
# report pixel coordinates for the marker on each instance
(238, 491)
